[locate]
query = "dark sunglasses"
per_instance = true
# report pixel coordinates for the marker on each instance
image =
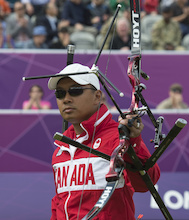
(177, 90)
(73, 91)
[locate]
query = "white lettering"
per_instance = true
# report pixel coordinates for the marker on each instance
(79, 175)
(186, 200)
(153, 203)
(136, 31)
(104, 197)
(135, 23)
(173, 200)
(135, 42)
(82, 174)
(136, 34)
(173, 205)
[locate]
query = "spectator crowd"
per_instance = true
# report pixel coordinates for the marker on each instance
(53, 24)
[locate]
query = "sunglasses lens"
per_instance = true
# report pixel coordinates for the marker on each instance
(75, 91)
(60, 94)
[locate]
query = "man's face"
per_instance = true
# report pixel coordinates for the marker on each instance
(76, 109)
(98, 2)
(63, 35)
(176, 95)
(39, 39)
(167, 16)
(52, 9)
(122, 29)
(19, 9)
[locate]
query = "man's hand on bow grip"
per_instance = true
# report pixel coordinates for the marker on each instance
(135, 127)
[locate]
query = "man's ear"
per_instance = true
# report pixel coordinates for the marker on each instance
(98, 96)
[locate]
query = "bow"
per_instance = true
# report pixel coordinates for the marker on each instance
(117, 164)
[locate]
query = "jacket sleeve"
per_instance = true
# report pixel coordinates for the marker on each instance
(143, 153)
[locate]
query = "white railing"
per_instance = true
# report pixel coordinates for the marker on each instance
(56, 111)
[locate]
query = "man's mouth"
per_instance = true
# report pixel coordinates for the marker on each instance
(68, 110)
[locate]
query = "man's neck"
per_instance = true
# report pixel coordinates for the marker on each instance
(78, 129)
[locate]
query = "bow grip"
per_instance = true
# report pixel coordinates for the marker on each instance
(123, 132)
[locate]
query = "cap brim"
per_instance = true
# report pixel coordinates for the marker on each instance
(53, 82)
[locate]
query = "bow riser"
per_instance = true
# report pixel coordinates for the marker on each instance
(133, 73)
(116, 161)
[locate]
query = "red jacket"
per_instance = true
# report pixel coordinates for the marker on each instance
(80, 177)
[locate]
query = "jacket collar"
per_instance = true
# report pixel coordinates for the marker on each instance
(93, 124)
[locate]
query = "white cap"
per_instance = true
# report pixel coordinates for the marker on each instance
(82, 79)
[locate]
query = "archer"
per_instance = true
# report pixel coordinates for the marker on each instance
(93, 126)
(80, 176)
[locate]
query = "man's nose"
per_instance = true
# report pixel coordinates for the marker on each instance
(67, 98)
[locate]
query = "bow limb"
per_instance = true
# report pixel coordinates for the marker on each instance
(105, 196)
